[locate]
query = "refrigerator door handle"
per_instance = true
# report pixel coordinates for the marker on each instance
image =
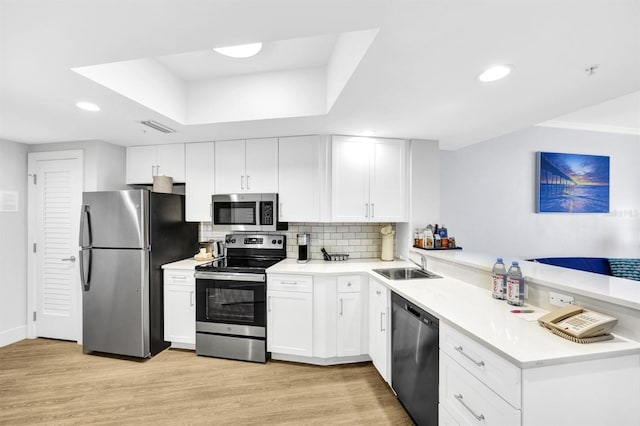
(85, 279)
(85, 217)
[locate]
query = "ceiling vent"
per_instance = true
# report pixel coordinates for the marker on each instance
(157, 126)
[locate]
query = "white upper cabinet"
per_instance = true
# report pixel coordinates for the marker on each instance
(145, 162)
(246, 166)
(368, 179)
(199, 182)
(301, 178)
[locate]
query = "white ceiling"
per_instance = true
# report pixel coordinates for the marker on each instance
(416, 80)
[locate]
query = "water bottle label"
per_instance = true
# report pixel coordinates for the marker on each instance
(498, 286)
(513, 291)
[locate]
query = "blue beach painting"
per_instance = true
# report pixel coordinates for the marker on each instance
(572, 183)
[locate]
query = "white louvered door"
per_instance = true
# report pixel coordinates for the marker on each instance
(58, 196)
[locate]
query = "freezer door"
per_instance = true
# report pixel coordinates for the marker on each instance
(115, 219)
(116, 303)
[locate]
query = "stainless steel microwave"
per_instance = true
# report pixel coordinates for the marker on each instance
(246, 212)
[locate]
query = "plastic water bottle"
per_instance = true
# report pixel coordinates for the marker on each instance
(515, 285)
(499, 288)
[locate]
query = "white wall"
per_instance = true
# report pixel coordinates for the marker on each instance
(488, 197)
(424, 192)
(13, 245)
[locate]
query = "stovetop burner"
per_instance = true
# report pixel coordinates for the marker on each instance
(227, 264)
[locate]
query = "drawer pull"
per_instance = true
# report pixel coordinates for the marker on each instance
(178, 277)
(478, 363)
(289, 282)
(478, 417)
(191, 303)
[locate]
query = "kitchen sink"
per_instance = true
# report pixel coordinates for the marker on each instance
(405, 273)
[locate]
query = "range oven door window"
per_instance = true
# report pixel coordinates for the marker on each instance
(230, 305)
(231, 302)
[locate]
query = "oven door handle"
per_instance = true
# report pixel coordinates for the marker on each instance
(230, 276)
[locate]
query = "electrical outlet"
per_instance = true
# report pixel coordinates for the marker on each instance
(557, 299)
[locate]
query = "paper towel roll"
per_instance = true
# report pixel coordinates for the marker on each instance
(163, 184)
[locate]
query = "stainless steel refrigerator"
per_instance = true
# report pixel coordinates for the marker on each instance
(125, 238)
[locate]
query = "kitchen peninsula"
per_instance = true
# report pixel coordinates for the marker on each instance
(495, 366)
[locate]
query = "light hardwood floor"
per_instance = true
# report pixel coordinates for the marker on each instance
(46, 381)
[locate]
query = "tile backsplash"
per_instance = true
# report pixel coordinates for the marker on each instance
(358, 240)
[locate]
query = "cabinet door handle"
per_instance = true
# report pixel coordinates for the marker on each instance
(241, 182)
(269, 304)
(157, 170)
(153, 171)
(372, 209)
(378, 292)
(248, 182)
(341, 306)
(366, 209)
(478, 363)
(478, 417)
(191, 298)
(382, 315)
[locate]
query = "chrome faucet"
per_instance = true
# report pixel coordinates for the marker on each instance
(422, 264)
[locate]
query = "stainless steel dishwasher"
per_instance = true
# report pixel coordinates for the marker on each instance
(414, 360)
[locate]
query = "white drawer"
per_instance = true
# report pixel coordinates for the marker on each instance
(490, 368)
(468, 401)
(349, 283)
(298, 283)
(179, 277)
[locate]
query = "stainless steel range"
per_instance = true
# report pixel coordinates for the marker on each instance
(231, 294)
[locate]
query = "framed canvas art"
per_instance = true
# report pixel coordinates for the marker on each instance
(572, 183)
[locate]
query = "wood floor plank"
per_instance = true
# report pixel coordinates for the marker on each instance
(45, 381)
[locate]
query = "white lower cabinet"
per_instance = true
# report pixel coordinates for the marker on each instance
(380, 328)
(480, 387)
(180, 308)
(339, 317)
(349, 318)
(469, 401)
(290, 314)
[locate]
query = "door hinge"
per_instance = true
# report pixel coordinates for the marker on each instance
(35, 247)
(34, 315)
(35, 179)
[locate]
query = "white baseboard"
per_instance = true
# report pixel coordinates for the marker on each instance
(13, 335)
(320, 361)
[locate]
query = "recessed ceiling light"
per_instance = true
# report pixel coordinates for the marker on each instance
(367, 133)
(494, 73)
(241, 50)
(88, 106)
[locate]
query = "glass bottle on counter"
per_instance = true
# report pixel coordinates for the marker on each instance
(418, 240)
(515, 285)
(499, 283)
(428, 238)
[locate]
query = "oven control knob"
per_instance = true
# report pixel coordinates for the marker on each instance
(279, 241)
(233, 241)
(273, 241)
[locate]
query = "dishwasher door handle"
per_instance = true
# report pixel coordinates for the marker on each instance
(412, 311)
